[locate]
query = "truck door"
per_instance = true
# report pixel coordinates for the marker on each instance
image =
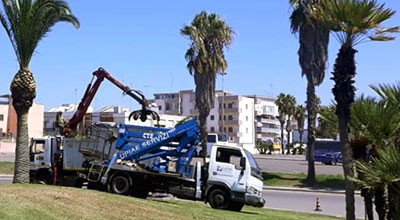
(40, 153)
(225, 167)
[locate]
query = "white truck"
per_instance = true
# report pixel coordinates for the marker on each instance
(148, 159)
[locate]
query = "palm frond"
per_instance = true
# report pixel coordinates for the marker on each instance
(356, 21)
(28, 21)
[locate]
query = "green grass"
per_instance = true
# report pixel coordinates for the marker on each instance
(6, 167)
(299, 180)
(54, 202)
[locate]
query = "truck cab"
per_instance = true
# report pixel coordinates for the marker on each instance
(44, 153)
(212, 139)
(234, 178)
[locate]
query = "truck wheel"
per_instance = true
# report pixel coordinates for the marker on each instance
(235, 206)
(120, 185)
(219, 199)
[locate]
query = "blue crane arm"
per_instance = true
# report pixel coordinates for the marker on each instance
(137, 143)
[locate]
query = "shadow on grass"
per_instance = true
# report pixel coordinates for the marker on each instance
(300, 180)
(332, 183)
(268, 176)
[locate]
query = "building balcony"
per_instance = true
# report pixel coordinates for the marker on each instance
(230, 122)
(268, 130)
(230, 110)
(270, 121)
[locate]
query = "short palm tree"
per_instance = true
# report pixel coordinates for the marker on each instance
(209, 36)
(300, 116)
(313, 54)
(26, 23)
(280, 102)
(353, 22)
(382, 174)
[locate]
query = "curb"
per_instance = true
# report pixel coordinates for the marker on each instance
(6, 176)
(304, 189)
(279, 158)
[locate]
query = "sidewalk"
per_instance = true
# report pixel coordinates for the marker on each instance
(307, 189)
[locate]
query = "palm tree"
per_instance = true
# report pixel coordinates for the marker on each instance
(209, 35)
(26, 22)
(300, 116)
(313, 54)
(290, 108)
(382, 174)
(280, 102)
(353, 22)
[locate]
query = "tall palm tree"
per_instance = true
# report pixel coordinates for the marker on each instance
(300, 116)
(313, 55)
(289, 110)
(353, 22)
(26, 22)
(280, 102)
(209, 35)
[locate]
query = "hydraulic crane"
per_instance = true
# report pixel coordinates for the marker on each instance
(91, 91)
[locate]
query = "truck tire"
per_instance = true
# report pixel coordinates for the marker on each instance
(219, 199)
(119, 185)
(235, 206)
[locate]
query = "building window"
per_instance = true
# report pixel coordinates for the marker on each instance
(1, 117)
(220, 117)
(230, 129)
(167, 106)
(247, 106)
(160, 108)
(212, 129)
(212, 117)
(247, 130)
(224, 117)
(247, 118)
(230, 117)
(224, 129)
(224, 105)
(230, 105)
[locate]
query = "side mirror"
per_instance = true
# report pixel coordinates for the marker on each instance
(243, 162)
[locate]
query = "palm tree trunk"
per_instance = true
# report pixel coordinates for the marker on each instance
(348, 168)
(343, 74)
(23, 91)
(21, 171)
(203, 134)
(282, 136)
(311, 130)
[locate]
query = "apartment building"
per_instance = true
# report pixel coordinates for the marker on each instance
(232, 114)
(266, 124)
(113, 115)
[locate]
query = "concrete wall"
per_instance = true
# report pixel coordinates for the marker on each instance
(3, 117)
(35, 120)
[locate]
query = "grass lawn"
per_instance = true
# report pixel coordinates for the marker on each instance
(6, 167)
(54, 202)
(299, 180)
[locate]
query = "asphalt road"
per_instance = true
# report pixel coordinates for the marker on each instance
(331, 204)
(294, 164)
(5, 180)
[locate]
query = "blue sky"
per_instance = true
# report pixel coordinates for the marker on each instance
(139, 43)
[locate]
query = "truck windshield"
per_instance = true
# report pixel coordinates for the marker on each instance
(255, 169)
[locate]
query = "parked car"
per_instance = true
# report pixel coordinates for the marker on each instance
(327, 152)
